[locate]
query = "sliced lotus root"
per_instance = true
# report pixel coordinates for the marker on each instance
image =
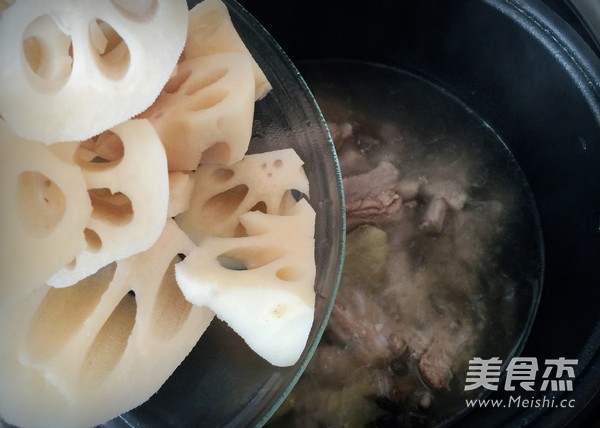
(205, 111)
(70, 69)
(181, 185)
(129, 197)
(211, 31)
(259, 182)
(44, 210)
(79, 356)
(262, 285)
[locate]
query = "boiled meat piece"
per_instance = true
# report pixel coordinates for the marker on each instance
(371, 195)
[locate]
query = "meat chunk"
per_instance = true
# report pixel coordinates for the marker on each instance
(339, 132)
(371, 196)
(358, 322)
(353, 161)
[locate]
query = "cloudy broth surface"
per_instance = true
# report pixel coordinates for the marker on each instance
(443, 259)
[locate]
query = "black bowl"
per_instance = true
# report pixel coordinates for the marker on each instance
(529, 74)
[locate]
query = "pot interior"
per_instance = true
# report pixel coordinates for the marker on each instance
(534, 80)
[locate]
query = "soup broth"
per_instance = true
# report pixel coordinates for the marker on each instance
(443, 258)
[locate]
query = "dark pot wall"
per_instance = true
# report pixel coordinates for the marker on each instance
(528, 74)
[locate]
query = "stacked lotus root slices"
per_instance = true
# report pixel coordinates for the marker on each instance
(130, 212)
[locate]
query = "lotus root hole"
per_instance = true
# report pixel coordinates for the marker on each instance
(63, 312)
(231, 263)
(289, 273)
(223, 205)
(205, 80)
(177, 80)
(217, 153)
(287, 201)
(109, 49)
(222, 175)
(171, 310)
(207, 99)
(41, 202)
(48, 53)
(104, 150)
(260, 206)
(114, 208)
(240, 231)
(94, 243)
(110, 343)
(255, 257)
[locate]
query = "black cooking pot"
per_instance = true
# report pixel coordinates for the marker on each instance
(527, 68)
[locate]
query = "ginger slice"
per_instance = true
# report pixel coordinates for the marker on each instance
(79, 356)
(262, 284)
(45, 208)
(129, 197)
(211, 31)
(97, 63)
(262, 182)
(205, 111)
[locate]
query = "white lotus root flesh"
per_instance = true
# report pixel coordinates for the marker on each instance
(262, 284)
(181, 185)
(205, 111)
(129, 197)
(45, 208)
(130, 211)
(70, 69)
(211, 31)
(114, 338)
(259, 182)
